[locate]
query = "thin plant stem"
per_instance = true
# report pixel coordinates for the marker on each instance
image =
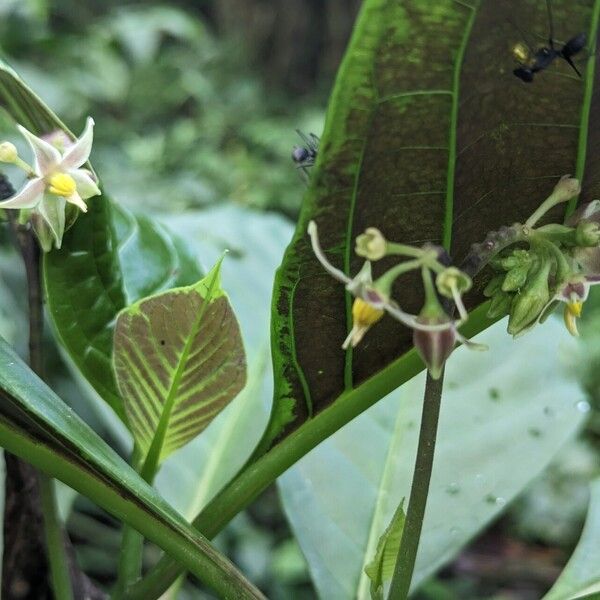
(407, 554)
(57, 557)
(132, 547)
(53, 531)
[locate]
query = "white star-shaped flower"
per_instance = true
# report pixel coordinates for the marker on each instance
(55, 179)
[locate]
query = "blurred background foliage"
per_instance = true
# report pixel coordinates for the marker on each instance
(198, 101)
(196, 104)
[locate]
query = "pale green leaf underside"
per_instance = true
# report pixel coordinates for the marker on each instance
(499, 427)
(179, 360)
(581, 576)
(381, 568)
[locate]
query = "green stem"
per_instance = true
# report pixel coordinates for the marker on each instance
(59, 565)
(392, 248)
(386, 281)
(194, 552)
(132, 547)
(53, 532)
(407, 554)
(550, 202)
(257, 476)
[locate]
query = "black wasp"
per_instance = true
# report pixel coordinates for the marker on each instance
(533, 61)
(305, 156)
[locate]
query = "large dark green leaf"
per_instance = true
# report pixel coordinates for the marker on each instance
(429, 137)
(38, 426)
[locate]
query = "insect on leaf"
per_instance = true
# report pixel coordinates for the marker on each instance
(381, 568)
(179, 360)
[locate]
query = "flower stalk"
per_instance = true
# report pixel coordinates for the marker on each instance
(419, 491)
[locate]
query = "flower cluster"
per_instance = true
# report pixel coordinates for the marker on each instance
(435, 332)
(55, 180)
(536, 268)
(544, 266)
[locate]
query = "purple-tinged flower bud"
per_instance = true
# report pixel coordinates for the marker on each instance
(434, 347)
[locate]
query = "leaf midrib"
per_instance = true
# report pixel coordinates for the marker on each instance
(452, 142)
(153, 457)
(590, 73)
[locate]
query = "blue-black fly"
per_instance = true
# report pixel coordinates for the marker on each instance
(533, 61)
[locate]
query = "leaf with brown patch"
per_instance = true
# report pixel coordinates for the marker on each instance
(179, 360)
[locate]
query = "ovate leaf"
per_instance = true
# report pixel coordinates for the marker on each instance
(179, 360)
(381, 568)
(430, 138)
(581, 577)
(500, 425)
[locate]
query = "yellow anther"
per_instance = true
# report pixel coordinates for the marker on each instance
(521, 53)
(575, 308)
(571, 313)
(62, 184)
(365, 315)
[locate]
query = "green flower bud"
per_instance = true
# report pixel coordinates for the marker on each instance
(8, 152)
(518, 258)
(500, 305)
(452, 280)
(493, 286)
(515, 279)
(529, 303)
(371, 244)
(587, 234)
(566, 188)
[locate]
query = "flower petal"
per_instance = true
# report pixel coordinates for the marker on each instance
(46, 156)
(77, 201)
(354, 337)
(462, 311)
(412, 321)
(79, 152)
(86, 186)
(52, 210)
(471, 345)
(28, 197)
(316, 246)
